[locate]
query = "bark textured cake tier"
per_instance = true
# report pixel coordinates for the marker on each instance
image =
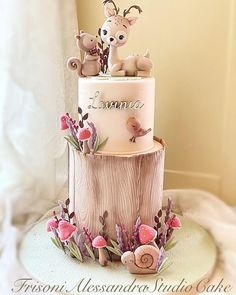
(126, 186)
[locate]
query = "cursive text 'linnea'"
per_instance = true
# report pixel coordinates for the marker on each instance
(98, 104)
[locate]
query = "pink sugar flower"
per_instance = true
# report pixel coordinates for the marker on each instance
(52, 223)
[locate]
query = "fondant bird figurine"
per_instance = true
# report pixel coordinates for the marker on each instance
(135, 128)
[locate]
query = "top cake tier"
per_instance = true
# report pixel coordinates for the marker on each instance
(122, 110)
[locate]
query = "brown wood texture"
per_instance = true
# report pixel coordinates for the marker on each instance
(126, 186)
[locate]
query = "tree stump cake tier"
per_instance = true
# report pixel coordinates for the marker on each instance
(125, 186)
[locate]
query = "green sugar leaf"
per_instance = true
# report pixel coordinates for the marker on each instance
(90, 252)
(56, 241)
(75, 251)
(102, 143)
(116, 246)
(164, 266)
(170, 244)
(71, 140)
(114, 251)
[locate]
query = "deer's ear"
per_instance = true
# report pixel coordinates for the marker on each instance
(109, 12)
(132, 20)
(81, 32)
(77, 37)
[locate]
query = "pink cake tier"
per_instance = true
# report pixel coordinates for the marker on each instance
(110, 103)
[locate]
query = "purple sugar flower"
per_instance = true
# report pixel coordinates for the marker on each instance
(136, 232)
(161, 257)
(89, 237)
(92, 139)
(127, 238)
(164, 235)
(61, 205)
(168, 209)
(120, 238)
(72, 126)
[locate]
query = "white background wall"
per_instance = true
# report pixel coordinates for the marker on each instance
(193, 46)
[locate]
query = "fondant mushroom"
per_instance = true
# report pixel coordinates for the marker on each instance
(147, 235)
(83, 135)
(66, 230)
(52, 223)
(99, 243)
(63, 122)
(174, 222)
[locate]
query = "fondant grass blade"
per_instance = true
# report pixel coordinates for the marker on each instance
(102, 143)
(71, 140)
(116, 246)
(165, 264)
(75, 251)
(170, 244)
(114, 251)
(90, 252)
(78, 252)
(57, 243)
(98, 145)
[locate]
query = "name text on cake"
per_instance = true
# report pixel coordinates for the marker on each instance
(98, 104)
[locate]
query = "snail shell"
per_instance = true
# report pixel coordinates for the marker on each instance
(146, 256)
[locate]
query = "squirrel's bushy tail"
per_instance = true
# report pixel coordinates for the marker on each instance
(74, 64)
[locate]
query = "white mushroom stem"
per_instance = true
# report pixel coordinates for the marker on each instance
(86, 149)
(102, 257)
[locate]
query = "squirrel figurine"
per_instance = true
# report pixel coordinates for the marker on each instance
(90, 65)
(143, 260)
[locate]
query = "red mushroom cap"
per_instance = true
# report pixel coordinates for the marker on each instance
(147, 234)
(83, 134)
(63, 122)
(99, 242)
(174, 222)
(52, 223)
(66, 230)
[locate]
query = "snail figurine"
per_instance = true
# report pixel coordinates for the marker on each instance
(143, 260)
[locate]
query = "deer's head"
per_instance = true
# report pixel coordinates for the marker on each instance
(116, 28)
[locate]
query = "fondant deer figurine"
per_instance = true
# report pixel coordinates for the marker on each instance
(115, 32)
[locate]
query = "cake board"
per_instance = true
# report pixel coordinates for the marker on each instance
(193, 259)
